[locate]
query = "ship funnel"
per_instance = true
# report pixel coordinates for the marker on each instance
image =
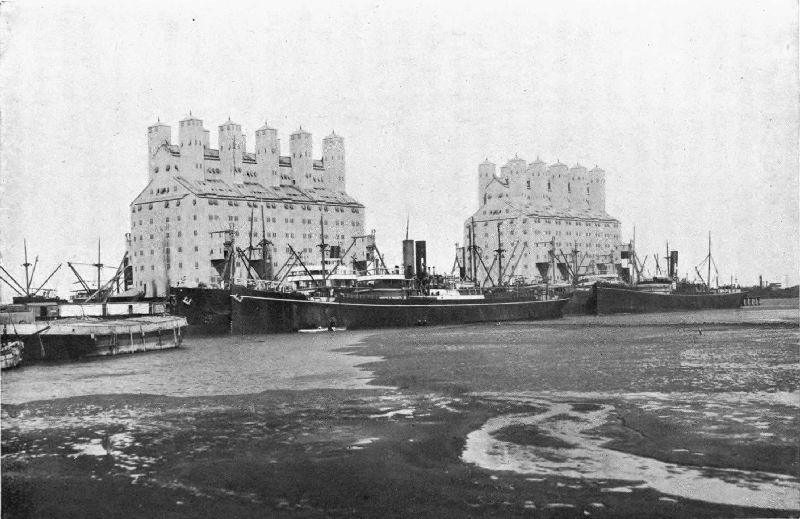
(408, 258)
(673, 264)
(421, 265)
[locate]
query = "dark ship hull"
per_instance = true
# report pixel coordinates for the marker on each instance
(258, 312)
(207, 310)
(581, 302)
(614, 300)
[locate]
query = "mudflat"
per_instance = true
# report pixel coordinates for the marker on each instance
(675, 415)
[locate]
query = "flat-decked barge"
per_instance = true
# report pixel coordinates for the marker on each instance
(102, 329)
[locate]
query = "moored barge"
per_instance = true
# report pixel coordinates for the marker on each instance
(69, 339)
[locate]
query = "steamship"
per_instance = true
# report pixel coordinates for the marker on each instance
(368, 296)
(385, 298)
(665, 293)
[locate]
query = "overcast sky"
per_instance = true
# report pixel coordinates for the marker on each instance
(691, 108)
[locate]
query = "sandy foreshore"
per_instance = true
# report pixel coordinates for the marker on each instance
(471, 422)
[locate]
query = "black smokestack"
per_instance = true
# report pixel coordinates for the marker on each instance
(673, 264)
(422, 265)
(408, 258)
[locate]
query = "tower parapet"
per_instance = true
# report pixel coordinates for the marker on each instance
(231, 148)
(268, 150)
(515, 172)
(596, 187)
(301, 150)
(193, 141)
(158, 135)
(558, 179)
(486, 173)
(334, 162)
(537, 176)
(576, 188)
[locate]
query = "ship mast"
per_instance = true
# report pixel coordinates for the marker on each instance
(99, 265)
(26, 265)
(322, 245)
(633, 258)
(250, 246)
(231, 256)
(499, 252)
(473, 265)
(575, 263)
(264, 243)
(708, 279)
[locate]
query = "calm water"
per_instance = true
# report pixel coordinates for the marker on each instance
(250, 364)
(202, 366)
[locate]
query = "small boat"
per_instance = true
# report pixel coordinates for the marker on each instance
(11, 354)
(320, 329)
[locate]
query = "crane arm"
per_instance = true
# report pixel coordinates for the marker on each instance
(80, 278)
(521, 253)
(48, 279)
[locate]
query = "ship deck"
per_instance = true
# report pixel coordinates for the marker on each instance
(97, 326)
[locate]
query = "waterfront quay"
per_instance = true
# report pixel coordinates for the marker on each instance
(655, 415)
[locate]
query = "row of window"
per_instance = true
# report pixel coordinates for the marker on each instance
(169, 266)
(556, 221)
(166, 235)
(235, 203)
(489, 247)
(155, 169)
